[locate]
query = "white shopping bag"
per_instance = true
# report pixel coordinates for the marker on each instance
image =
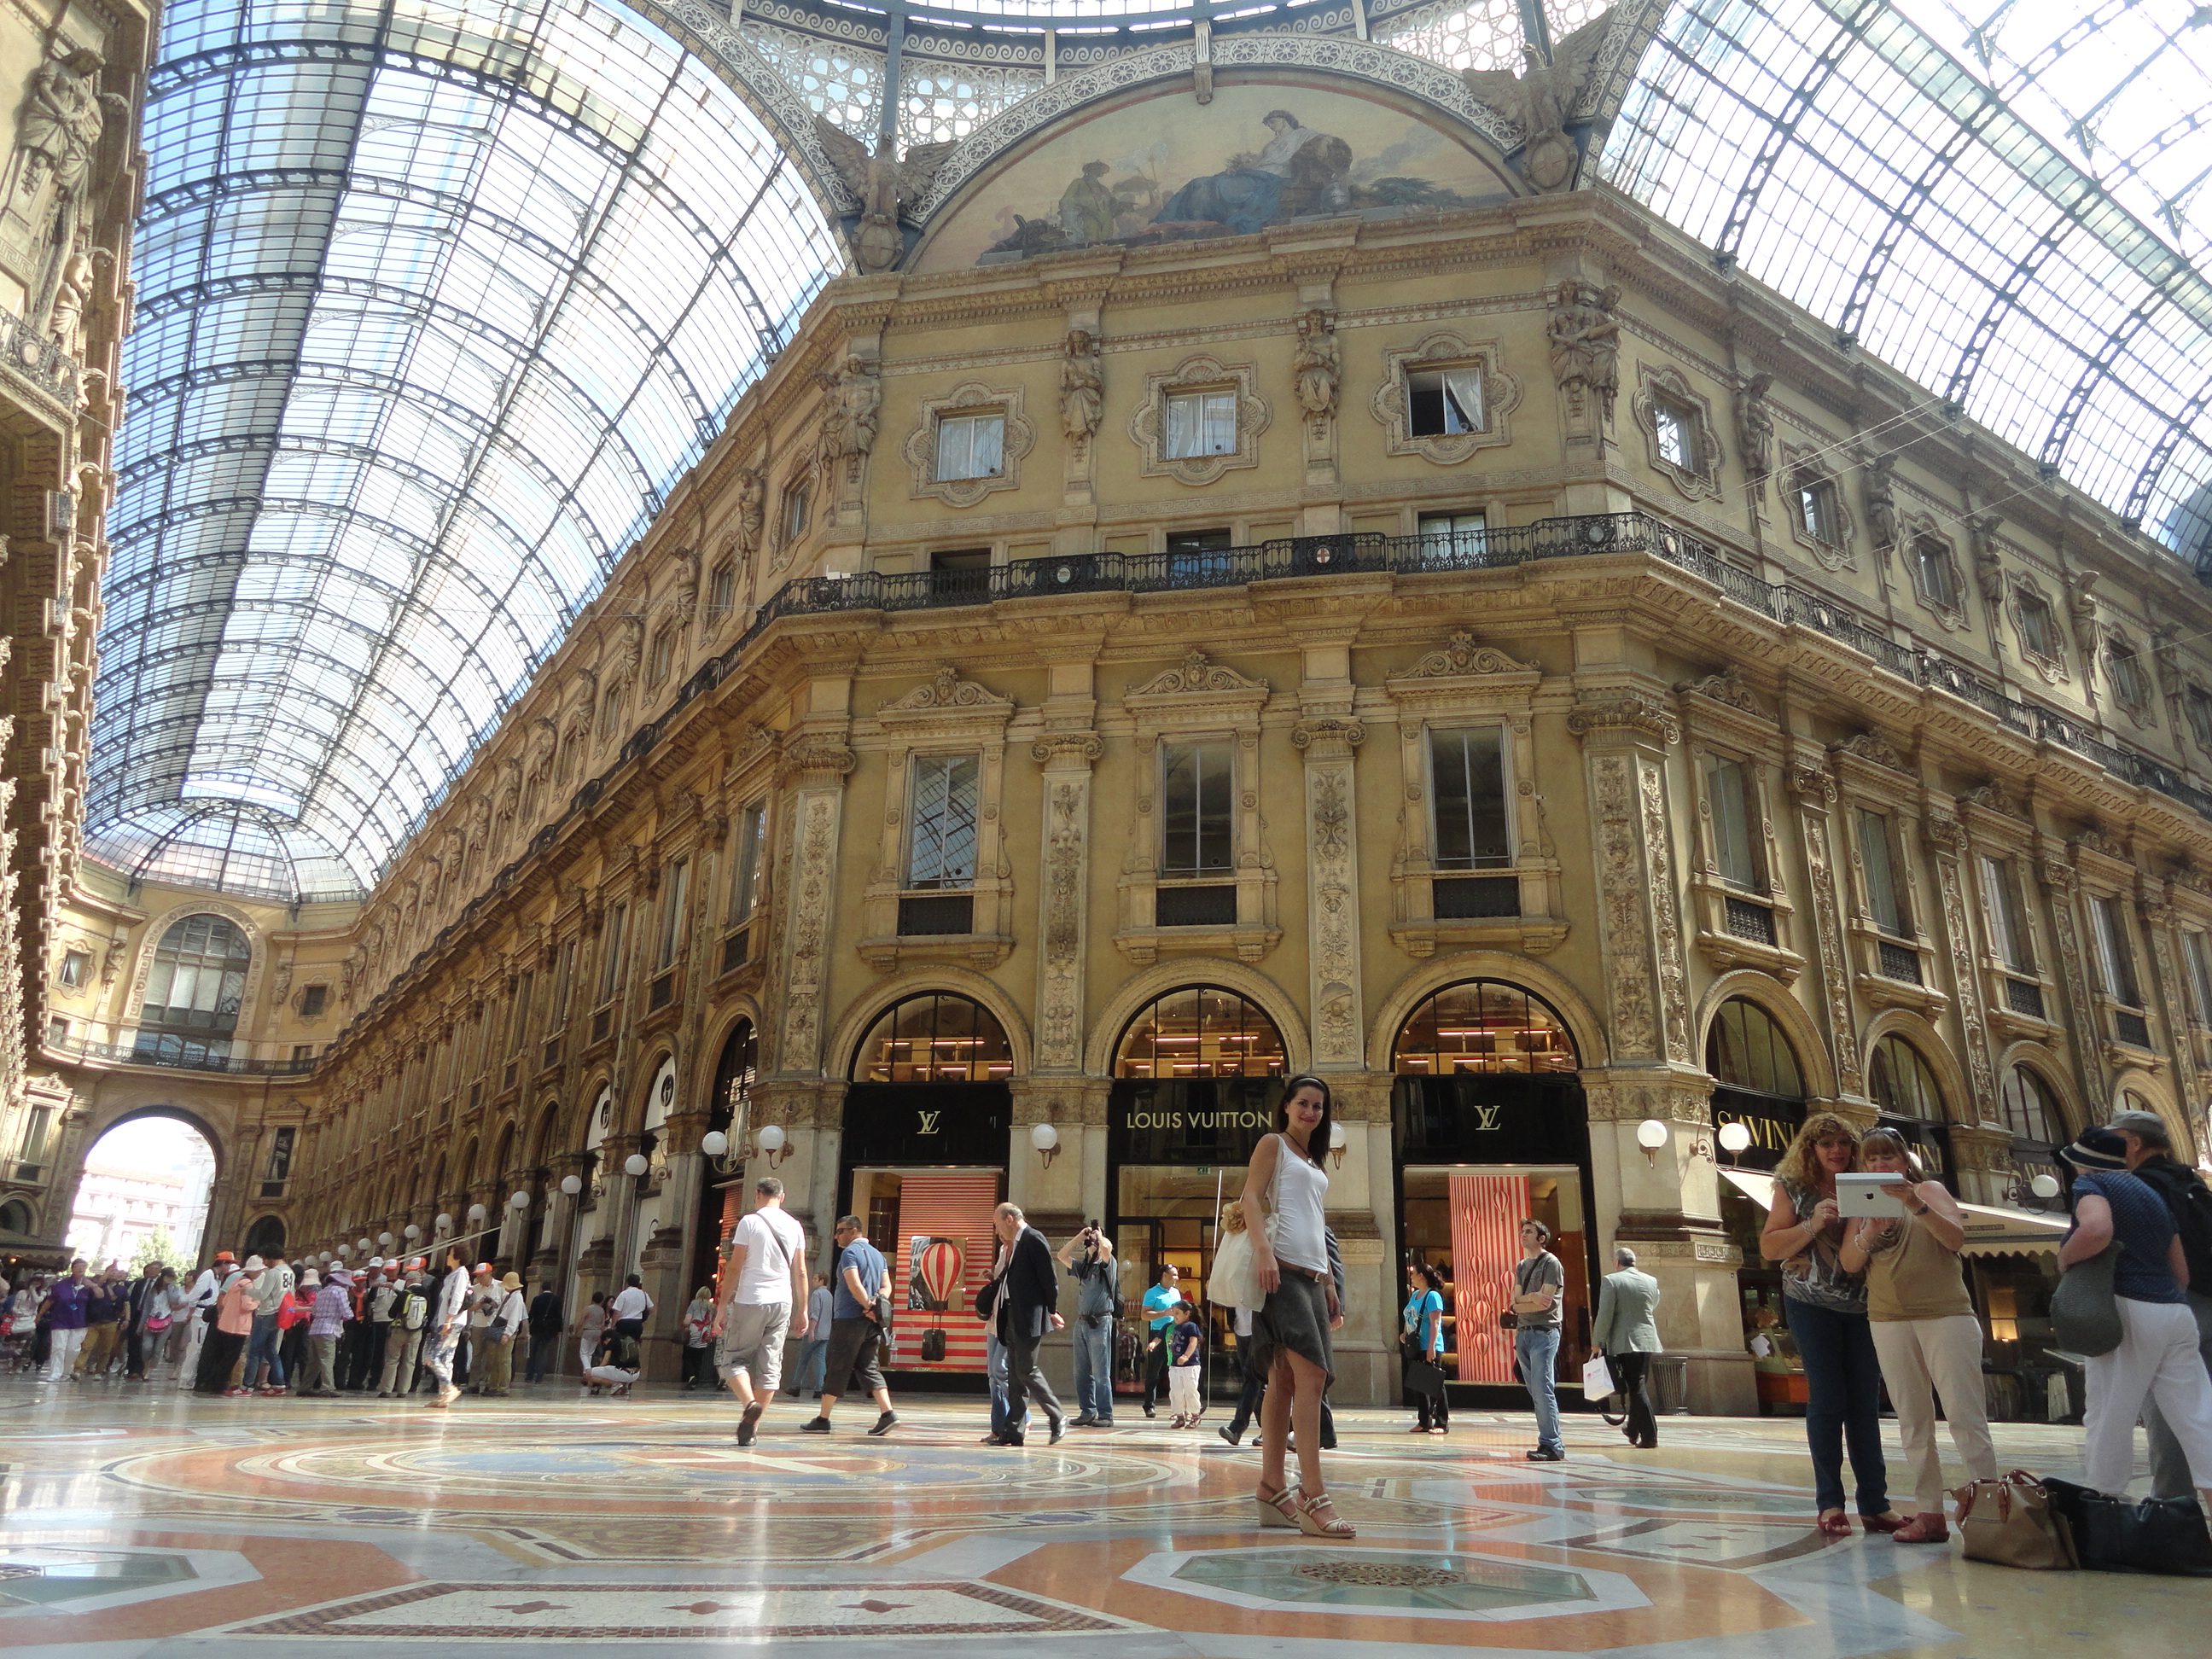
(1597, 1377)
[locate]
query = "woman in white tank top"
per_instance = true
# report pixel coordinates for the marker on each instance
(1287, 1189)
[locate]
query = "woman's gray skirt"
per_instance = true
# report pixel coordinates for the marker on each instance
(1294, 1318)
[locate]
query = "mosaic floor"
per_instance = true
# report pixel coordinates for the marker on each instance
(141, 1521)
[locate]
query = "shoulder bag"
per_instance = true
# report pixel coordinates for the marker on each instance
(2013, 1522)
(1235, 1282)
(2164, 1536)
(2084, 1316)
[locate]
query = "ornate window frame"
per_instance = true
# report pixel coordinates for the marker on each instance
(799, 487)
(1805, 469)
(1201, 372)
(1875, 778)
(1501, 396)
(2020, 590)
(1465, 682)
(968, 397)
(1665, 384)
(2115, 643)
(1197, 701)
(1915, 531)
(1723, 720)
(1996, 828)
(944, 714)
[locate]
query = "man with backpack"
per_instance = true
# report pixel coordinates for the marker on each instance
(411, 1310)
(2150, 1159)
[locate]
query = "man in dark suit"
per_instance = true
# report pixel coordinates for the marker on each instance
(1021, 1304)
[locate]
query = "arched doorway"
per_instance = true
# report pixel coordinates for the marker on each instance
(193, 992)
(1198, 1073)
(145, 1191)
(1757, 1083)
(722, 1179)
(656, 1204)
(923, 1158)
(1490, 1126)
(2037, 1121)
(267, 1234)
(1903, 1086)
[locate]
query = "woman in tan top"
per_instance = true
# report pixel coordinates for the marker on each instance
(1925, 1333)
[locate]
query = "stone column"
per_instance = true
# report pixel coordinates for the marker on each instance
(1947, 844)
(2087, 1038)
(1814, 786)
(1332, 892)
(2158, 922)
(814, 771)
(1062, 913)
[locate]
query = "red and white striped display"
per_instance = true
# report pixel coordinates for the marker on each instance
(1487, 1213)
(945, 1206)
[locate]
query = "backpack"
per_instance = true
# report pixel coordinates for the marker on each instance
(413, 1308)
(291, 1311)
(2190, 1202)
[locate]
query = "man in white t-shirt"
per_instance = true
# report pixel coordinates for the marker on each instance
(763, 1300)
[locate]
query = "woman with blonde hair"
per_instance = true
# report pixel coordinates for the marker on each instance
(1827, 1310)
(1924, 1326)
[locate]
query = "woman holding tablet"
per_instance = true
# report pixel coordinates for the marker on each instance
(1924, 1327)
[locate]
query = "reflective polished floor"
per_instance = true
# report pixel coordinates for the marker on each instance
(142, 1522)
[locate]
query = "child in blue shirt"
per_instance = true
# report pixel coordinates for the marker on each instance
(1186, 1347)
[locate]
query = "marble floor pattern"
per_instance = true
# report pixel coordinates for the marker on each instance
(136, 1523)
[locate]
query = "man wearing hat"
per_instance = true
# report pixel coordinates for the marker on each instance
(376, 1312)
(333, 1302)
(2151, 1160)
(199, 1313)
(508, 1312)
(2157, 1356)
(483, 1303)
(411, 1313)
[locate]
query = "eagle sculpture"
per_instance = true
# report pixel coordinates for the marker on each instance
(885, 185)
(1540, 101)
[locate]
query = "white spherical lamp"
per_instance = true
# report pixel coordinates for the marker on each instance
(1336, 1137)
(519, 1200)
(2045, 1186)
(635, 1164)
(1651, 1134)
(444, 1223)
(1734, 1137)
(383, 1240)
(772, 1138)
(1044, 1137)
(475, 1213)
(572, 1185)
(714, 1142)
(343, 1252)
(363, 1245)
(411, 1231)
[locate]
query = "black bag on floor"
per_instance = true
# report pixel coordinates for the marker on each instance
(2165, 1535)
(933, 1345)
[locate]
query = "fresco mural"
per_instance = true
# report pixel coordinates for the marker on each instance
(1167, 169)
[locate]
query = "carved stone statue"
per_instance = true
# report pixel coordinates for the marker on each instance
(853, 395)
(1989, 563)
(1881, 502)
(1585, 340)
(1542, 101)
(752, 509)
(72, 294)
(60, 131)
(1082, 387)
(885, 185)
(1318, 362)
(1755, 427)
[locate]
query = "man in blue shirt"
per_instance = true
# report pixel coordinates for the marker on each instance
(1159, 1321)
(854, 1333)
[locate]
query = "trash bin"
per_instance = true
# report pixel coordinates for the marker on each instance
(1669, 1378)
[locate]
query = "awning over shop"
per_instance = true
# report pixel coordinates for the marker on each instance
(38, 1252)
(1754, 1185)
(1993, 1231)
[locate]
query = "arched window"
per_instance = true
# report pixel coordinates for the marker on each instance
(735, 1072)
(935, 1037)
(1199, 1031)
(1902, 1085)
(15, 1218)
(1482, 1025)
(2031, 1111)
(1756, 1081)
(193, 993)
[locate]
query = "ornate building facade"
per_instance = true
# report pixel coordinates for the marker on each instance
(1392, 608)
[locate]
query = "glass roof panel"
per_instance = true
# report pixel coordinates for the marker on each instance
(435, 299)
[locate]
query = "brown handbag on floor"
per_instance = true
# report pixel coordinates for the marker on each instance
(2011, 1521)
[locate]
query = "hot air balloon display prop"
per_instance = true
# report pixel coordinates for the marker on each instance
(939, 1268)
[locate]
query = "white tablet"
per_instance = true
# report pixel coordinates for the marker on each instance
(1862, 1195)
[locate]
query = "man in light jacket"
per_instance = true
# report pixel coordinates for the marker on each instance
(1626, 1332)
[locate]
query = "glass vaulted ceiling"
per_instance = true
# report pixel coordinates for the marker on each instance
(2007, 204)
(435, 300)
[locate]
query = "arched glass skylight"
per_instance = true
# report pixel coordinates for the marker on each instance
(436, 299)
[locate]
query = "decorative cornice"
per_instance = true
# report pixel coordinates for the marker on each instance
(1726, 686)
(1197, 675)
(1329, 738)
(1634, 714)
(1873, 747)
(1464, 656)
(947, 690)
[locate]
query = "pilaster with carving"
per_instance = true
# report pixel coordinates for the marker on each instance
(1333, 889)
(2158, 922)
(1947, 843)
(814, 769)
(1815, 789)
(1625, 735)
(2064, 888)
(1062, 913)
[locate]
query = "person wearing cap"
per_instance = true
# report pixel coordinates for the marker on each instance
(333, 1304)
(2157, 1357)
(411, 1313)
(483, 1305)
(199, 1314)
(2151, 1160)
(508, 1312)
(302, 1363)
(265, 1369)
(444, 1336)
(234, 1323)
(376, 1313)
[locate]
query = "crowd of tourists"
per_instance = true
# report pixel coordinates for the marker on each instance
(1874, 1303)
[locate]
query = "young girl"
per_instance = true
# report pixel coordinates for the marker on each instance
(1187, 1345)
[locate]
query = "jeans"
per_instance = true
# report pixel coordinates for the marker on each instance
(1094, 1369)
(1006, 1422)
(543, 1349)
(438, 1353)
(1629, 1371)
(1537, 1352)
(1842, 1385)
(263, 1352)
(2169, 1464)
(813, 1361)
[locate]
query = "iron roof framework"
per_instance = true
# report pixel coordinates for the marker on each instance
(436, 299)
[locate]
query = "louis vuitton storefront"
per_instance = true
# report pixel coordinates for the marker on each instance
(923, 1164)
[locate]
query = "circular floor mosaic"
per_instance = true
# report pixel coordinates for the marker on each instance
(1385, 1579)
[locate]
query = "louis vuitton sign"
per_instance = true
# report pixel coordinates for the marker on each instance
(1208, 1121)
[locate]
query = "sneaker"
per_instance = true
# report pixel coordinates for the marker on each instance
(1229, 1434)
(817, 1425)
(883, 1423)
(1539, 1456)
(1085, 1421)
(746, 1424)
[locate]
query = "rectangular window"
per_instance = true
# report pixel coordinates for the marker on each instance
(970, 447)
(303, 1054)
(2115, 954)
(564, 985)
(1452, 538)
(1816, 510)
(962, 575)
(2197, 949)
(2007, 927)
(1198, 830)
(941, 847)
(1931, 565)
(32, 1147)
(1466, 795)
(2038, 631)
(675, 892)
(2129, 684)
(519, 1033)
(57, 1030)
(1201, 424)
(747, 842)
(1440, 401)
(2200, 715)
(76, 964)
(313, 1001)
(722, 591)
(664, 656)
(610, 954)
(1878, 857)
(279, 1167)
(1678, 436)
(1735, 822)
(794, 514)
